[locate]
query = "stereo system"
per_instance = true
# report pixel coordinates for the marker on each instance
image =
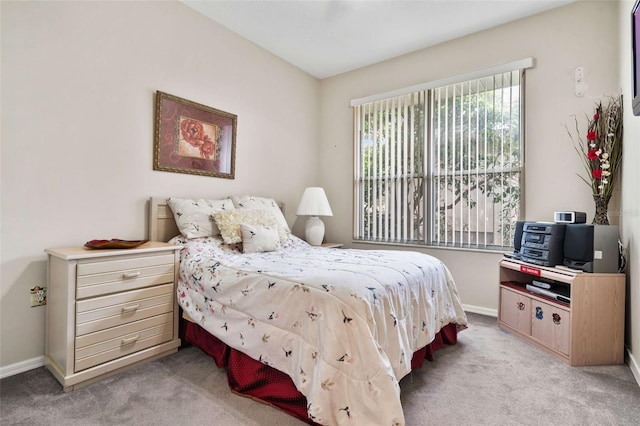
(542, 243)
(589, 248)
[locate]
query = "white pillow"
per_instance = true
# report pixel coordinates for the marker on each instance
(268, 204)
(258, 239)
(195, 217)
(229, 222)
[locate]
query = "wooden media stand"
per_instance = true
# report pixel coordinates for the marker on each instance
(587, 331)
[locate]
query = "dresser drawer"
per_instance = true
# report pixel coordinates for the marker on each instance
(103, 312)
(120, 274)
(97, 348)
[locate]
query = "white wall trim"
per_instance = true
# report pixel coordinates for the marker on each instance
(21, 367)
(480, 310)
(634, 366)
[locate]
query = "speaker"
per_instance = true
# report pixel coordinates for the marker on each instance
(517, 237)
(591, 248)
(578, 243)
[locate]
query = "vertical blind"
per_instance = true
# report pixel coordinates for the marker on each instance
(390, 167)
(441, 166)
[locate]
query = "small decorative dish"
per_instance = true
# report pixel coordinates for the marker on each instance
(114, 243)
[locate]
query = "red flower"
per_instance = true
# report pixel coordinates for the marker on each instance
(592, 154)
(592, 136)
(597, 174)
(193, 132)
(596, 116)
(207, 149)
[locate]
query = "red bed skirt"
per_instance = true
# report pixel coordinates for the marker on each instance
(252, 378)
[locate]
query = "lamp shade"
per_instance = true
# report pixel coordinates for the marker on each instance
(314, 203)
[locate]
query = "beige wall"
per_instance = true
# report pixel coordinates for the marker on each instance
(78, 84)
(630, 201)
(594, 35)
(581, 34)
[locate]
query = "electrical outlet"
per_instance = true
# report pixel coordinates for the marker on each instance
(38, 296)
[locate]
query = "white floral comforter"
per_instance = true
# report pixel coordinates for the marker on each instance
(343, 324)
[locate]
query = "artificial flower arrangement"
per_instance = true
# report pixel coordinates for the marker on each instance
(602, 154)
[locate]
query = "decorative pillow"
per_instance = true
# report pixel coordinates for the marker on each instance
(258, 239)
(229, 222)
(268, 204)
(195, 217)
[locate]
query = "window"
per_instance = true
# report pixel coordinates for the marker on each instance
(442, 164)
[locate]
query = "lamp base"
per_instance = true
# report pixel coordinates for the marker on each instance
(314, 231)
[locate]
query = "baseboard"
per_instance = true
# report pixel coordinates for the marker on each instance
(21, 367)
(633, 365)
(480, 310)
(30, 364)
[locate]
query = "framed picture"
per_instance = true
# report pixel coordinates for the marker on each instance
(193, 138)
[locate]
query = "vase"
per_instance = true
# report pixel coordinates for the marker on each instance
(601, 217)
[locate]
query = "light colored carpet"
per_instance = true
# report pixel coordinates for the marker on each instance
(489, 378)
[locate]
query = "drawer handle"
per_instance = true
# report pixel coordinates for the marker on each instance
(129, 275)
(129, 340)
(130, 308)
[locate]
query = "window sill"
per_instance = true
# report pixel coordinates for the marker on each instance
(496, 250)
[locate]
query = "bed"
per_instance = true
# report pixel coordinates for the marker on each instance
(324, 334)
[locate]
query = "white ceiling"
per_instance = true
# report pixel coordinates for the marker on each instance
(329, 37)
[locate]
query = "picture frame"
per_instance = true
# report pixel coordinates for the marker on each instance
(193, 138)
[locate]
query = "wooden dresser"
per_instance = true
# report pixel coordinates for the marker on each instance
(109, 309)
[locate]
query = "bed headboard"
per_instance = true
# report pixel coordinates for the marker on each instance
(162, 225)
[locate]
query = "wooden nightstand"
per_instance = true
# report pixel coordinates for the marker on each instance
(331, 245)
(109, 309)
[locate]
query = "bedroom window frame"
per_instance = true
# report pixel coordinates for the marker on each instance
(378, 106)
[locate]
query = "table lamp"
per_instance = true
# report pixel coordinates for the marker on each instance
(314, 203)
